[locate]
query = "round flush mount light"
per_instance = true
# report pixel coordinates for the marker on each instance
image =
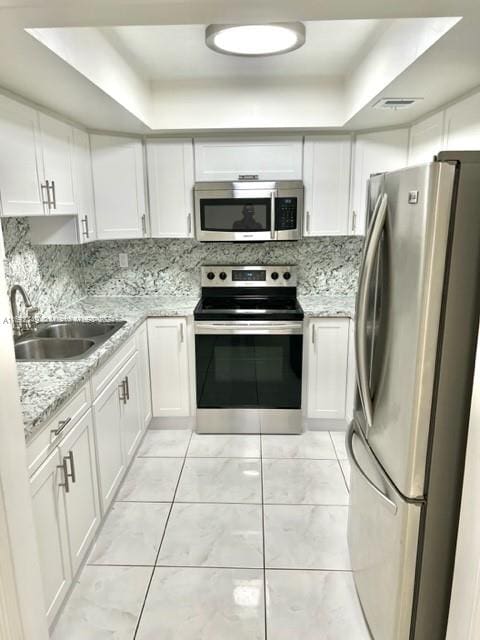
(255, 39)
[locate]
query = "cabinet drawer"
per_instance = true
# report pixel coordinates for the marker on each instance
(102, 377)
(69, 414)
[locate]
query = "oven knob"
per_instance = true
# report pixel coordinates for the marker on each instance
(274, 275)
(210, 275)
(223, 275)
(287, 275)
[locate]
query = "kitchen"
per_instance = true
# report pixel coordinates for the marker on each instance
(205, 350)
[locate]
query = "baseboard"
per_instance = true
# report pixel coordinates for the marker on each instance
(312, 424)
(172, 423)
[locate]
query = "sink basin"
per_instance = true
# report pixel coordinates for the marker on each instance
(51, 348)
(64, 340)
(77, 329)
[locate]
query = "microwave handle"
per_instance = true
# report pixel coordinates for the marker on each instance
(273, 195)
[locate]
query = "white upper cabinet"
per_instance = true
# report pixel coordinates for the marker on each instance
(170, 186)
(326, 171)
(265, 158)
(374, 153)
(21, 163)
(57, 149)
(462, 125)
(119, 187)
(426, 139)
(83, 185)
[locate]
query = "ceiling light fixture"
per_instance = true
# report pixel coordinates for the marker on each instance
(255, 39)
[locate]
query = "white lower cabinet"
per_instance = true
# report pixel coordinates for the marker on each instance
(327, 368)
(169, 372)
(131, 419)
(108, 432)
(48, 501)
(144, 366)
(82, 501)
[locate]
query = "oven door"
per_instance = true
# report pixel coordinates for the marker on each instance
(249, 376)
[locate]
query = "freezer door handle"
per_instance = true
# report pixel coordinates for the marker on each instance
(349, 442)
(368, 265)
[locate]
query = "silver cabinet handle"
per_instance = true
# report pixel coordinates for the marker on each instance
(181, 333)
(54, 195)
(61, 426)
(64, 469)
(123, 392)
(85, 231)
(72, 473)
(366, 271)
(272, 214)
(189, 224)
(349, 443)
(308, 222)
(144, 224)
(313, 335)
(127, 388)
(354, 220)
(45, 194)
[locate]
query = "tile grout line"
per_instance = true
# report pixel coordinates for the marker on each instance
(263, 540)
(339, 460)
(161, 540)
(207, 566)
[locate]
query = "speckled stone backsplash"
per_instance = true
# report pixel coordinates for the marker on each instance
(172, 267)
(51, 275)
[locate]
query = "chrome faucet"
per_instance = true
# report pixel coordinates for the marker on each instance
(19, 325)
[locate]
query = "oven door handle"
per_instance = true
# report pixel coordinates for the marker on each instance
(273, 195)
(238, 328)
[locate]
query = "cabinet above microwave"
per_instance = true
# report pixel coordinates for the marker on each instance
(248, 211)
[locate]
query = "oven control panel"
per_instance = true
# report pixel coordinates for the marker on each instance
(244, 276)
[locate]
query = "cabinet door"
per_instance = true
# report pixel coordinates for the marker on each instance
(119, 187)
(267, 158)
(170, 187)
(462, 124)
(48, 502)
(169, 367)
(326, 171)
(328, 368)
(144, 370)
(132, 423)
(374, 153)
(21, 163)
(426, 139)
(82, 500)
(83, 182)
(57, 149)
(108, 438)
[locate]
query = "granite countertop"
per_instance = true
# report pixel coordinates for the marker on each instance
(45, 386)
(328, 306)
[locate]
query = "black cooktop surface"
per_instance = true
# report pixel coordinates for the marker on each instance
(248, 306)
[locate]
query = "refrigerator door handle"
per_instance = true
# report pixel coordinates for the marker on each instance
(366, 273)
(390, 504)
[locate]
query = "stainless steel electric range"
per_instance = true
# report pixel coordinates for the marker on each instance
(248, 350)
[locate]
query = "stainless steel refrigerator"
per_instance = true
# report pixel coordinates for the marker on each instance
(417, 321)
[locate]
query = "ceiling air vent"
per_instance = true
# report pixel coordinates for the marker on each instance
(396, 103)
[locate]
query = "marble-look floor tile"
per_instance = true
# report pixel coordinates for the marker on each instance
(214, 535)
(224, 446)
(338, 438)
(303, 482)
(220, 480)
(131, 534)
(105, 604)
(151, 480)
(165, 443)
(306, 537)
(311, 444)
(204, 604)
(313, 605)
(345, 464)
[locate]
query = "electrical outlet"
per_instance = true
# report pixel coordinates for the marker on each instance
(123, 260)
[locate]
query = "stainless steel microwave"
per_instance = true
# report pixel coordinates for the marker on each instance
(248, 211)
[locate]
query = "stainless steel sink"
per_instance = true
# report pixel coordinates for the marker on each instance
(64, 340)
(77, 329)
(51, 348)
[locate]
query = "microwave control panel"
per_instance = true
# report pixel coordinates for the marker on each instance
(285, 214)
